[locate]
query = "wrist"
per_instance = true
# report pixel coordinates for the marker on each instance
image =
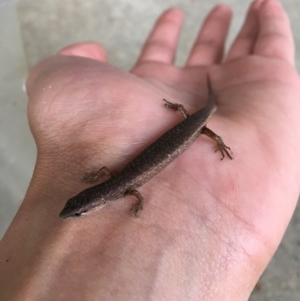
(117, 255)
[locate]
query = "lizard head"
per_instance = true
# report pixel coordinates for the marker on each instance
(78, 205)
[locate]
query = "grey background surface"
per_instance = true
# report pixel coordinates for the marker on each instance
(121, 26)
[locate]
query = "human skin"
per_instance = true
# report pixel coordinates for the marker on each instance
(209, 227)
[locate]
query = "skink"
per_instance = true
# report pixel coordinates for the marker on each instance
(148, 163)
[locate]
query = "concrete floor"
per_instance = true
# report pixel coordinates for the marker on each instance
(121, 26)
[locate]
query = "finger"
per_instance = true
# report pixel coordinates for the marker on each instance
(90, 50)
(275, 38)
(209, 46)
(162, 43)
(245, 40)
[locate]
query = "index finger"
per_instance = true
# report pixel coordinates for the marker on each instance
(275, 37)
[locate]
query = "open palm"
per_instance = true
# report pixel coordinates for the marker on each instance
(216, 223)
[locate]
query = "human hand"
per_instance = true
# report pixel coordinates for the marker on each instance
(208, 228)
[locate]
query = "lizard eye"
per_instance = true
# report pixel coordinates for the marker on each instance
(80, 213)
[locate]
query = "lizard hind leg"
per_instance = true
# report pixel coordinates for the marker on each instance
(139, 204)
(176, 107)
(220, 145)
